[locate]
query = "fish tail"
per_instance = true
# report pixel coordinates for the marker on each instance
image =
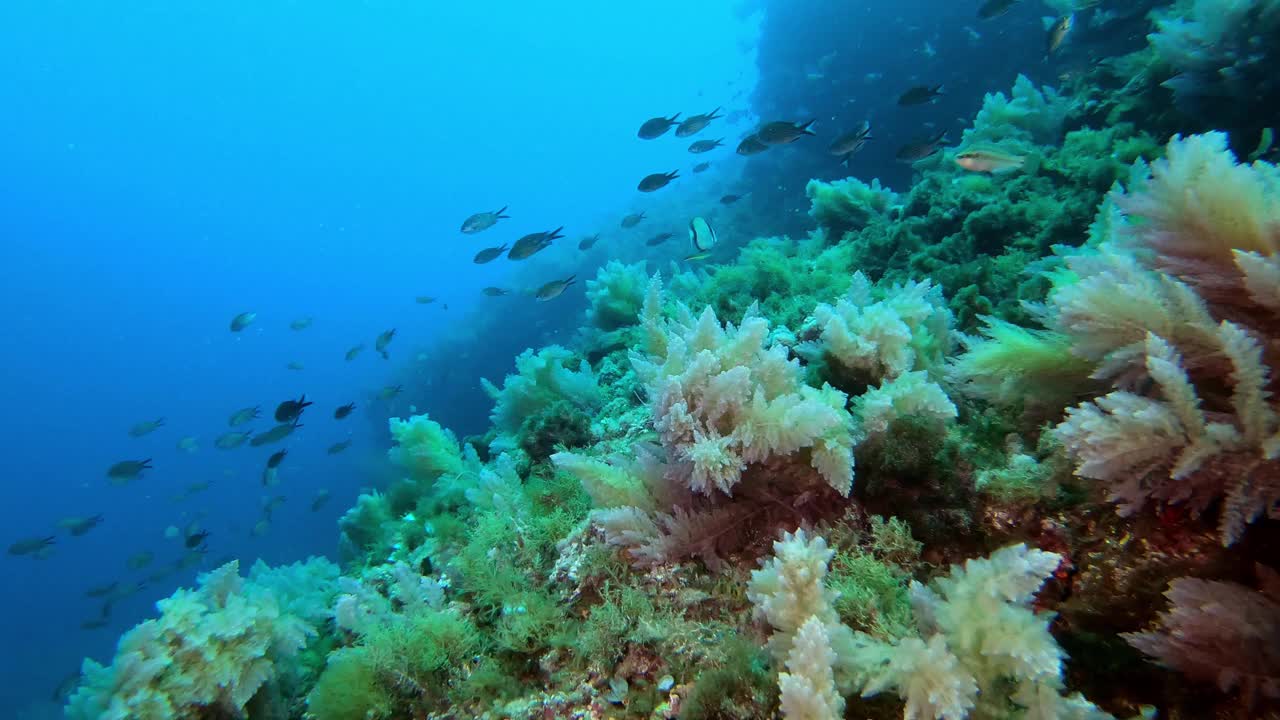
(673, 175)
(805, 128)
(712, 115)
(504, 209)
(555, 234)
(673, 117)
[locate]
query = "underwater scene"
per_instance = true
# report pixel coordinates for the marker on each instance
(795, 359)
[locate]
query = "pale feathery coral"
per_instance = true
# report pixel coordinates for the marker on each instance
(807, 690)
(908, 394)
(541, 379)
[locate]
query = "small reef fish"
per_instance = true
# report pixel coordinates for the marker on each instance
(702, 146)
(632, 220)
(989, 161)
(697, 256)
(300, 323)
(730, 199)
(322, 498)
(656, 181)
(701, 167)
(343, 411)
(38, 546)
(424, 299)
(261, 528)
(338, 447)
(126, 470)
(483, 221)
(295, 365)
(658, 239)
(494, 291)
(269, 505)
(702, 235)
(291, 410)
(489, 254)
(137, 561)
(695, 123)
(390, 391)
(921, 149)
(78, 526)
(1058, 33)
(242, 321)
(995, 8)
(196, 539)
(588, 242)
(244, 415)
(275, 434)
(146, 428)
(383, 341)
(189, 445)
(848, 145)
(751, 145)
(656, 127)
(553, 289)
(276, 458)
(920, 94)
(783, 132)
(532, 243)
(354, 352)
(232, 440)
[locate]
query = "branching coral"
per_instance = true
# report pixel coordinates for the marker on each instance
(1221, 632)
(211, 650)
(723, 397)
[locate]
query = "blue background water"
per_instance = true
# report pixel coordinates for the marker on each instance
(167, 164)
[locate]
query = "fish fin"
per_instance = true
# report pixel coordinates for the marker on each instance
(712, 115)
(936, 89)
(805, 128)
(555, 234)
(673, 175)
(673, 117)
(499, 213)
(385, 355)
(844, 159)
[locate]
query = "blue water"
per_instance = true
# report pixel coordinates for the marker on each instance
(167, 165)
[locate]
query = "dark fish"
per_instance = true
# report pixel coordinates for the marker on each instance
(782, 132)
(920, 94)
(244, 415)
(295, 365)
(1058, 33)
(300, 324)
(290, 410)
(146, 428)
(80, 525)
(656, 181)
(383, 341)
(32, 545)
(322, 497)
(483, 220)
(270, 477)
(694, 124)
(656, 127)
(995, 8)
(275, 434)
(702, 146)
(632, 220)
(921, 149)
(195, 540)
(588, 242)
(850, 143)
(231, 440)
(751, 145)
(338, 447)
(343, 411)
(730, 199)
(353, 352)
(658, 239)
(700, 167)
(242, 321)
(101, 591)
(533, 243)
(554, 289)
(494, 291)
(139, 560)
(126, 470)
(390, 391)
(424, 299)
(276, 458)
(489, 254)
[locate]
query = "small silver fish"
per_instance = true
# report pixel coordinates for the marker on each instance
(656, 127)
(695, 123)
(483, 221)
(242, 321)
(554, 288)
(782, 132)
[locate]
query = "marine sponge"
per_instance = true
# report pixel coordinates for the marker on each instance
(724, 397)
(210, 650)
